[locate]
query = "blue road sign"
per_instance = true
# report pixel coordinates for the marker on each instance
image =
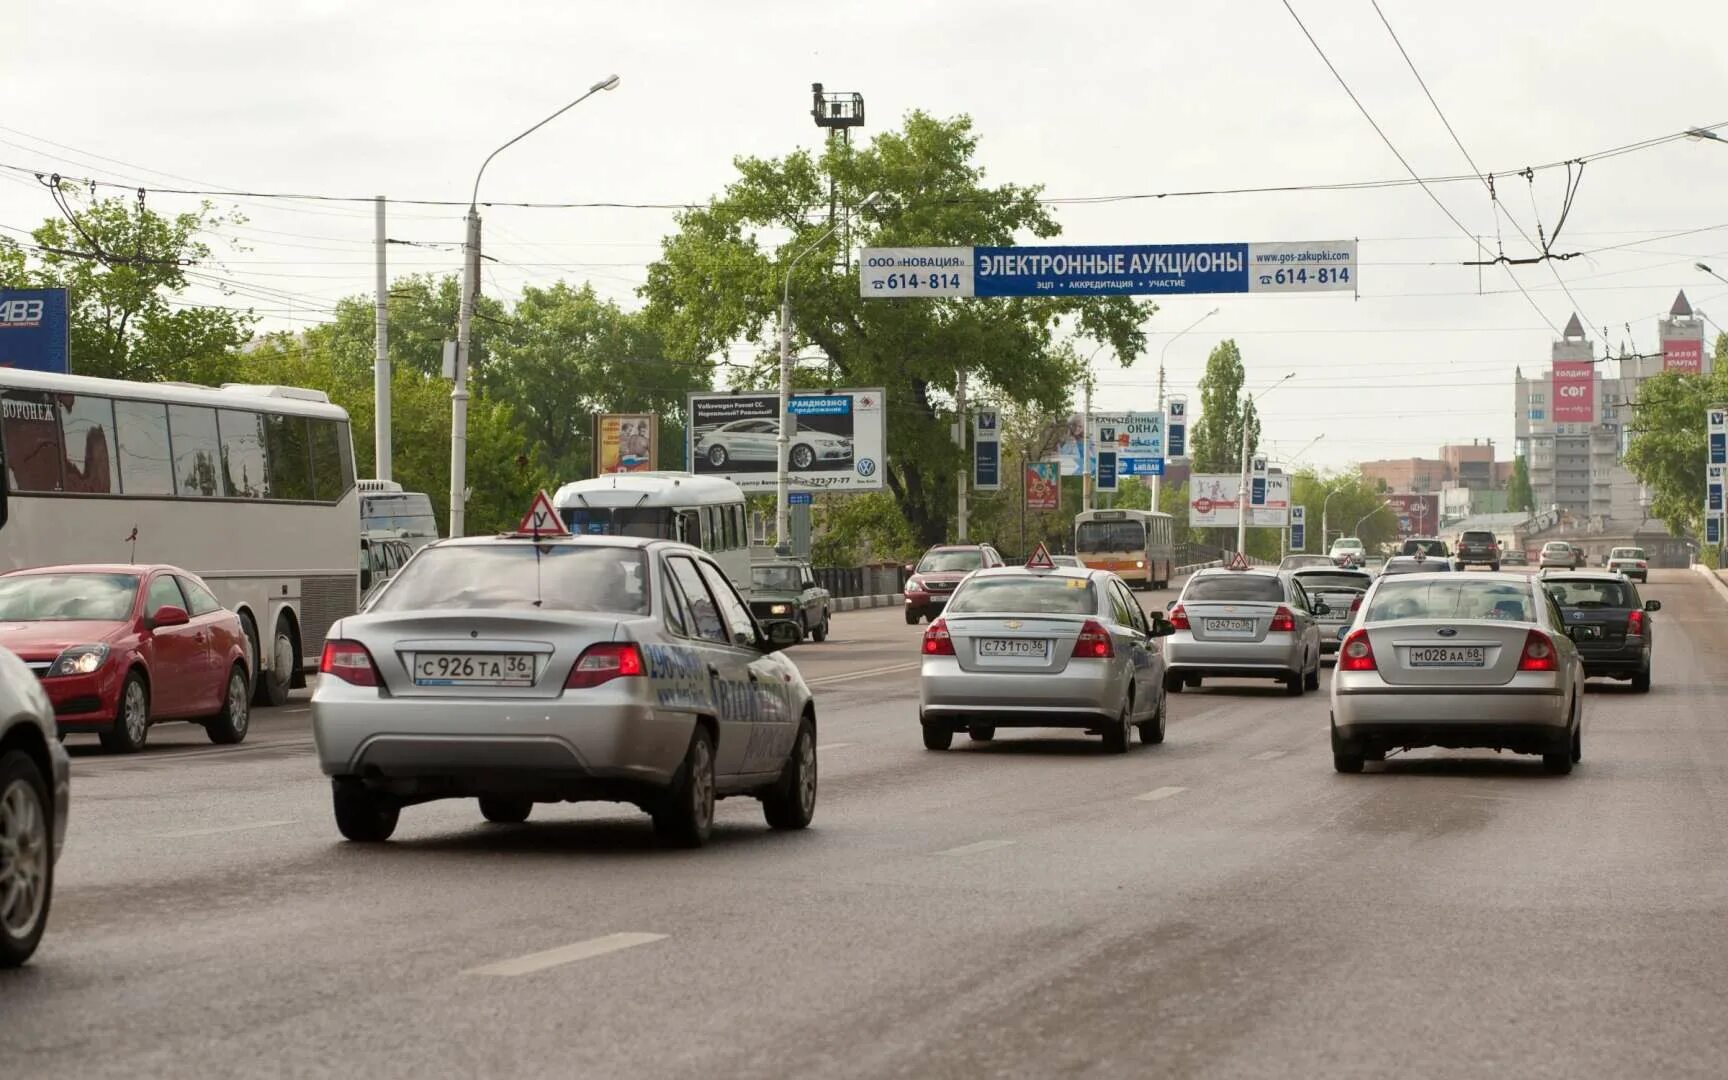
(799, 498)
(1298, 528)
(1712, 529)
(1176, 429)
(1718, 448)
(1106, 470)
(1257, 491)
(1140, 466)
(987, 465)
(34, 330)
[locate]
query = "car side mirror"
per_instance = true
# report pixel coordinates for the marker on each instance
(168, 615)
(1320, 608)
(1161, 628)
(783, 635)
(1652, 605)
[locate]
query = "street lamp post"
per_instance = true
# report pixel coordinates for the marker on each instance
(783, 480)
(465, 322)
(1157, 480)
(1712, 273)
(1242, 491)
(1325, 505)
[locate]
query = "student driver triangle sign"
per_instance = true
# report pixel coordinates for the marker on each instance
(542, 519)
(1239, 562)
(1040, 559)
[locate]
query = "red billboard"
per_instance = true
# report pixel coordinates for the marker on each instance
(1574, 392)
(1684, 356)
(1418, 514)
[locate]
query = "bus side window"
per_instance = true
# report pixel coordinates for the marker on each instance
(734, 526)
(690, 527)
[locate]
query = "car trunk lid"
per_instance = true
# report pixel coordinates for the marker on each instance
(1014, 644)
(1465, 652)
(1230, 620)
(472, 654)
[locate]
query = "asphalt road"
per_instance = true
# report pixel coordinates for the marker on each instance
(1223, 905)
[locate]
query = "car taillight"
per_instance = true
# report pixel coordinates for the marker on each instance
(350, 662)
(1357, 653)
(1356, 604)
(1538, 653)
(1093, 643)
(604, 662)
(937, 641)
(1283, 622)
(1179, 618)
(1635, 624)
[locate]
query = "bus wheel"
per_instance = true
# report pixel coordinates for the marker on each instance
(272, 683)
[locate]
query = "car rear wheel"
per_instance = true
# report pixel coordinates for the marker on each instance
(791, 803)
(1311, 681)
(1294, 683)
(26, 857)
(911, 617)
(131, 720)
(981, 733)
(1173, 684)
(686, 816)
(231, 724)
(1557, 761)
(1494, 567)
(1641, 681)
(504, 811)
(1116, 736)
(362, 815)
(937, 737)
(1152, 731)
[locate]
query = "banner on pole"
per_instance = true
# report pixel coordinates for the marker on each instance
(987, 450)
(1298, 528)
(1176, 427)
(1043, 485)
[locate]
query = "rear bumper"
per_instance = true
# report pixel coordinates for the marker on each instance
(1081, 695)
(1517, 737)
(1278, 655)
(1363, 705)
(1624, 660)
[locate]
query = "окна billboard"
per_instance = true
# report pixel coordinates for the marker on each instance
(33, 330)
(1574, 392)
(837, 440)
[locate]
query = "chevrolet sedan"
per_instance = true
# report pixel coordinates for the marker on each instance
(1020, 647)
(1456, 660)
(1244, 624)
(518, 670)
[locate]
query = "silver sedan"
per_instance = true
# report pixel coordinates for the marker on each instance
(518, 670)
(1065, 647)
(1458, 661)
(1244, 624)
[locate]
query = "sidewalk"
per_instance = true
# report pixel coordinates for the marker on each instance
(1718, 579)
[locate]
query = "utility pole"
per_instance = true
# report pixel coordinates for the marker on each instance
(1242, 492)
(459, 393)
(960, 441)
(1086, 445)
(381, 356)
(783, 479)
(1157, 486)
(1157, 481)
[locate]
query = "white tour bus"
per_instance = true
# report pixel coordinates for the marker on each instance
(250, 487)
(387, 510)
(1136, 545)
(706, 511)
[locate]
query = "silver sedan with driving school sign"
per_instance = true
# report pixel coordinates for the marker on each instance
(549, 668)
(1042, 646)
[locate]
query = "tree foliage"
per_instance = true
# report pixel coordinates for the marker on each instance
(124, 266)
(719, 281)
(1217, 433)
(1519, 497)
(1667, 449)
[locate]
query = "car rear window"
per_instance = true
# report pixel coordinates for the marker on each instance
(1416, 566)
(1457, 598)
(1626, 553)
(937, 562)
(1585, 593)
(1028, 595)
(67, 597)
(1227, 587)
(1479, 537)
(1334, 581)
(1426, 547)
(542, 577)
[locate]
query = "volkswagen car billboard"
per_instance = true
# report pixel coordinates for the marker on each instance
(836, 445)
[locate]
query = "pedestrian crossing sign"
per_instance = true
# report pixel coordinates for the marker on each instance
(1040, 559)
(541, 520)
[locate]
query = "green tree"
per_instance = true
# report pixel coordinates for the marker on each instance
(1217, 434)
(1353, 500)
(719, 279)
(1519, 497)
(124, 266)
(1667, 449)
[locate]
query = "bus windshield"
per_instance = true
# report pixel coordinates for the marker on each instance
(655, 523)
(1110, 536)
(409, 511)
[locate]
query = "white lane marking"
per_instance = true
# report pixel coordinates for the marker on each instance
(832, 746)
(1159, 793)
(565, 954)
(850, 675)
(980, 846)
(1268, 755)
(220, 829)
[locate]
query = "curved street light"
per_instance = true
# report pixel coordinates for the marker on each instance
(1242, 490)
(465, 321)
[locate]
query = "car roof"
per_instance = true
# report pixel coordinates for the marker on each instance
(99, 568)
(955, 547)
(1582, 575)
(639, 542)
(1254, 571)
(1060, 571)
(1326, 570)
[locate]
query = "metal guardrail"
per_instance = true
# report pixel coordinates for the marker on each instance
(877, 579)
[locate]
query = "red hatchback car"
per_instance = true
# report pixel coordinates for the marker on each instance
(119, 648)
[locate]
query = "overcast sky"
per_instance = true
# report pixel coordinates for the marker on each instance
(1087, 98)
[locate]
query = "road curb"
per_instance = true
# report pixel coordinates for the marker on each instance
(858, 603)
(1715, 582)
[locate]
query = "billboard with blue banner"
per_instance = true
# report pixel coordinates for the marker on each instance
(1109, 270)
(35, 330)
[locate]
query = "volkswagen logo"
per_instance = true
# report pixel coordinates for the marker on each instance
(1446, 631)
(866, 467)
